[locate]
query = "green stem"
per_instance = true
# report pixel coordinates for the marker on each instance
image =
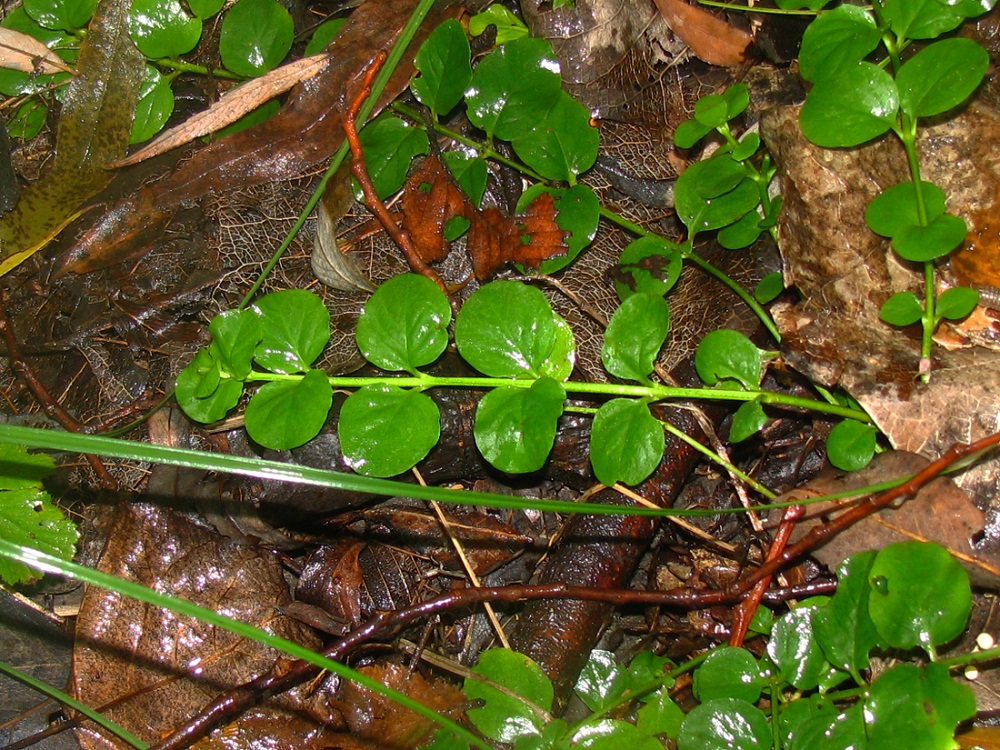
(654, 392)
(182, 66)
(973, 657)
(717, 459)
(747, 9)
(378, 86)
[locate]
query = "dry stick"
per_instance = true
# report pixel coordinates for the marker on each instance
(49, 405)
(360, 172)
(387, 624)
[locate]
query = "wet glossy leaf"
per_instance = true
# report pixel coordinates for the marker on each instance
(28, 120)
(689, 132)
(714, 193)
(901, 309)
(895, 208)
(843, 628)
(837, 40)
(504, 717)
(206, 8)
(286, 414)
(561, 360)
(942, 235)
(660, 715)
(578, 212)
(405, 324)
(235, 335)
(916, 708)
(162, 28)
(443, 61)
(513, 88)
(508, 25)
(725, 724)
(729, 355)
(515, 427)
(389, 145)
(831, 729)
(626, 442)
(202, 393)
(634, 336)
(957, 302)
(920, 19)
(156, 104)
(743, 233)
(323, 35)
(920, 595)
(728, 672)
(941, 76)
(295, 326)
(385, 430)
(256, 36)
(794, 650)
(602, 681)
(506, 329)
(469, 172)
(859, 104)
(67, 15)
(649, 265)
(561, 145)
(769, 288)
(747, 147)
(27, 515)
(613, 734)
(748, 420)
(851, 444)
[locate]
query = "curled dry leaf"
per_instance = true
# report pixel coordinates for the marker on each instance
(231, 106)
(710, 38)
(25, 53)
(331, 264)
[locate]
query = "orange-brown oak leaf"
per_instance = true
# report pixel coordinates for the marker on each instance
(529, 238)
(430, 200)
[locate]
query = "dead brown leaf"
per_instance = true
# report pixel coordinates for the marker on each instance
(529, 238)
(25, 53)
(710, 38)
(430, 200)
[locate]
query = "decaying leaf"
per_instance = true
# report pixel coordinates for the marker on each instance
(93, 130)
(431, 199)
(528, 238)
(710, 38)
(25, 53)
(231, 106)
(329, 262)
(941, 512)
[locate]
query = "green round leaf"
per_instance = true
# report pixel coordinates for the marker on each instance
(743, 233)
(295, 326)
(710, 111)
(795, 651)
(689, 133)
(634, 336)
(747, 147)
(506, 329)
(563, 144)
(957, 302)
(443, 61)
(851, 444)
(649, 265)
(725, 724)
(748, 420)
(660, 715)
(920, 595)
(613, 734)
(470, 172)
(729, 355)
(602, 681)
(508, 25)
(162, 28)
(515, 427)
(390, 144)
(895, 208)
(286, 414)
(156, 104)
(513, 88)
(28, 120)
(920, 19)
(769, 288)
(256, 36)
(235, 335)
(937, 239)
(202, 393)
(385, 430)
(941, 76)
(831, 729)
(578, 211)
(714, 193)
(205, 8)
(505, 716)
(837, 40)
(843, 628)
(323, 35)
(901, 309)
(55, 39)
(859, 104)
(626, 442)
(562, 359)
(728, 672)
(405, 324)
(914, 708)
(67, 15)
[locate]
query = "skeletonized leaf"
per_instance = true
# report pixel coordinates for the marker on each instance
(25, 53)
(231, 106)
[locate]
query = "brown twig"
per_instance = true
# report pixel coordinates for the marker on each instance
(387, 624)
(360, 172)
(50, 406)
